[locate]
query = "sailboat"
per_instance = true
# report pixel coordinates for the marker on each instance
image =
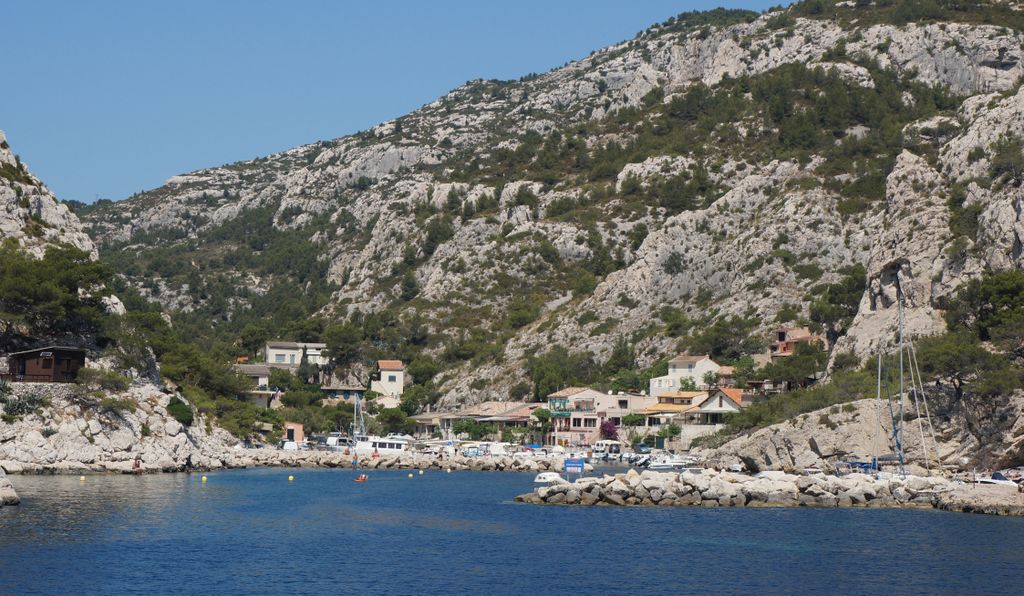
(897, 404)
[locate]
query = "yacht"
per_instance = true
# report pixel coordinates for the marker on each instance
(389, 445)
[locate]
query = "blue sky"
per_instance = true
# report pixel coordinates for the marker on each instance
(103, 99)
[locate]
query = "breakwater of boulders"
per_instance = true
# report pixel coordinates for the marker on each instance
(421, 461)
(711, 488)
(229, 458)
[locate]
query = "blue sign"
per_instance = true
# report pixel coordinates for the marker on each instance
(574, 466)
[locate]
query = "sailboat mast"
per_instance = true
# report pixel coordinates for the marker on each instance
(898, 425)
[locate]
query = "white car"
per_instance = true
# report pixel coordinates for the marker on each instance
(289, 446)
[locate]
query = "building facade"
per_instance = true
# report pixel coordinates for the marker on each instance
(390, 378)
(683, 370)
(291, 353)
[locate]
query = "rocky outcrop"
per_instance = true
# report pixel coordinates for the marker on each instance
(73, 432)
(7, 494)
(710, 488)
(964, 438)
(30, 214)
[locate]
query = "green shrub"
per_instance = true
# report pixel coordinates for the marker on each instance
(15, 407)
(105, 380)
(117, 406)
(180, 411)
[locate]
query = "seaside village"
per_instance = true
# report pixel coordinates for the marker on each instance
(692, 400)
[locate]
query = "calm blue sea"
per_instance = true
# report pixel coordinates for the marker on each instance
(253, 531)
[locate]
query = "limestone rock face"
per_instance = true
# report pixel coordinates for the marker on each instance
(861, 430)
(75, 434)
(30, 213)
(365, 201)
(7, 494)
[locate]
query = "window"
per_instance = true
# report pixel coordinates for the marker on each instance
(623, 404)
(689, 367)
(616, 421)
(291, 358)
(279, 358)
(576, 422)
(392, 378)
(590, 422)
(47, 363)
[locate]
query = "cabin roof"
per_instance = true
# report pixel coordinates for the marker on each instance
(49, 349)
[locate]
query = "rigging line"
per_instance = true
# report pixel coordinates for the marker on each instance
(924, 398)
(917, 408)
(897, 438)
(899, 297)
(878, 409)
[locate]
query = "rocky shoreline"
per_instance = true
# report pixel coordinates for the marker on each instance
(777, 489)
(7, 494)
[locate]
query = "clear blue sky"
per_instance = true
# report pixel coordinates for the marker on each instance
(108, 98)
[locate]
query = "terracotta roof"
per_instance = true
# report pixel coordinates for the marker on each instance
(568, 392)
(665, 408)
(390, 365)
(735, 394)
(687, 359)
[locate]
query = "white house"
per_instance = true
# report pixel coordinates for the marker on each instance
(258, 373)
(391, 379)
(682, 367)
(290, 353)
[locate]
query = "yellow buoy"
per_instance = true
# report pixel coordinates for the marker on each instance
(410, 474)
(290, 478)
(421, 472)
(204, 478)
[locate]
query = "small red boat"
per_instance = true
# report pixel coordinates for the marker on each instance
(361, 478)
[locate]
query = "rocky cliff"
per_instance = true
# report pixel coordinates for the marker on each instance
(30, 214)
(718, 165)
(71, 431)
(983, 436)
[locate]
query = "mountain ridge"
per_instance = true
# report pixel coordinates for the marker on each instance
(685, 178)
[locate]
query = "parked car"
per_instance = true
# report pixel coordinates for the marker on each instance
(288, 446)
(642, 448)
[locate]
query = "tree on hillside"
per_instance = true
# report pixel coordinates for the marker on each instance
(987, 303)
(960, 360)
(344, 343)
(727, 339)
(799, 369)
(394, 420)
(557, 368)
(837, 304)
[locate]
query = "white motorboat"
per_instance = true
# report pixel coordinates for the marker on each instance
(996, 478)
(547, 478)
(390, 445)
(668, 463)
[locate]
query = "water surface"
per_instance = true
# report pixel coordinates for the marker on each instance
(253, 531)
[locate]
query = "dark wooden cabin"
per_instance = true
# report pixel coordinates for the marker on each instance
(52, 364)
